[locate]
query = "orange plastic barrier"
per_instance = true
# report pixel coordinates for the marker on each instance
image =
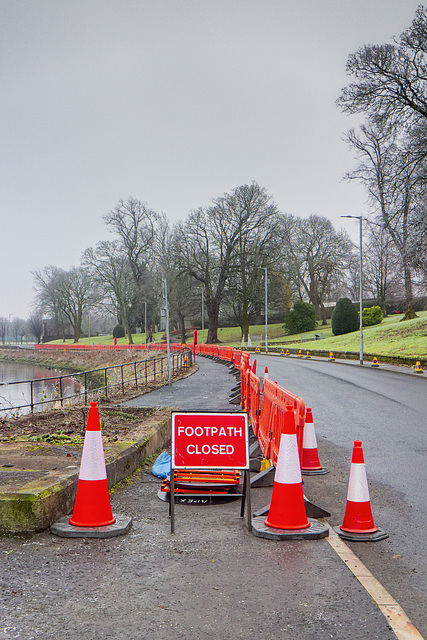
(265, 431)
(153, 346)
(274, 402)
(286, 398)
(237, 358)
(244, 368)
(254, 399)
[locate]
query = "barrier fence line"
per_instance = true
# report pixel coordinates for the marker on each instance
(267, 420)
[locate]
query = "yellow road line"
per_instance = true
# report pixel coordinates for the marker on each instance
(396, 617)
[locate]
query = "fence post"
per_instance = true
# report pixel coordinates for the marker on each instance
(123, 384)
(105, 382)
(60, 391)
(136, 378)
(32, 396)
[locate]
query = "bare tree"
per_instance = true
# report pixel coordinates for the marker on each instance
(315, 257)
(381, 276)
(140, 231)
(65, 294)
(211, 243)
(19, 327)
(4, 325)
(113, 279)
(391, 175)
(35, 326)
(390, 79)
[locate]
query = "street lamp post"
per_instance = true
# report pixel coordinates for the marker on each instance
(266, 312)
(165, 293)
(145, 323)
(360, 283)
(203, 316)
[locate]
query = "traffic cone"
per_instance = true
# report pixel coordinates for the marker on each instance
(287, 517)
(310, 465)
(287, 352)
(331, 357)
(287, 509)
(92, 505)
(307, 355)
(358, 522)
(254, 367)
(375, 363)
(300, 353)
(282, 352)
(418, 367)
(264, 379)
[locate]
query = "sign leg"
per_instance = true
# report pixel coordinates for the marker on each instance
(172, 500)
(248, 498)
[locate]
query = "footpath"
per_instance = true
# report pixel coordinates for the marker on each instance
(211, 579)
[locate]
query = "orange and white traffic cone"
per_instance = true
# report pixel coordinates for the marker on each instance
(92, 516)
(92, 506)
(358, 521)
(265, 376)
(310, 464)
(287, 517)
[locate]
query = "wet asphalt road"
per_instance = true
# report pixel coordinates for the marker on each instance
(210, 580)
(387, 410)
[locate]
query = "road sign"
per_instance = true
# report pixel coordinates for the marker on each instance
(210, 441)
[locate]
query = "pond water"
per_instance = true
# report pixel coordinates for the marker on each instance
(24, 384)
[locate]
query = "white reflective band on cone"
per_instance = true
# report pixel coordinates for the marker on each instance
(358, 484)
(288, 470)
(93, 461)
(309, 438)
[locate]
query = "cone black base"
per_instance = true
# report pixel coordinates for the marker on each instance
(315, 531)
(378, 535)
(314, 472)
(64, 529)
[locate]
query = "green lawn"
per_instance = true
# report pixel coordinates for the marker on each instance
(390, 338)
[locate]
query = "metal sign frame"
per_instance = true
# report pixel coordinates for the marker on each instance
(204, 426)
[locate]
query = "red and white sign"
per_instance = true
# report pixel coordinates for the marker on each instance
(210, 441)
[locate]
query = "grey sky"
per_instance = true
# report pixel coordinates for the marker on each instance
(173, 102)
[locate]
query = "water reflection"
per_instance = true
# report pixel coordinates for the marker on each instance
(14, 396)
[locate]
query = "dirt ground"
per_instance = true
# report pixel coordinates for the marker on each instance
(68, 424)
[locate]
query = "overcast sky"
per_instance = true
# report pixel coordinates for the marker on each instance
(172, 102)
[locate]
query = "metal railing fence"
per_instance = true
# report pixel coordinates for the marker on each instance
(129, 375)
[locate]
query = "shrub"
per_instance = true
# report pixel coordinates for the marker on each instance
(301, 318)
(345, 317)
(372, 315)
(118, 331)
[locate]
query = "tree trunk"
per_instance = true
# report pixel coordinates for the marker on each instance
(245, 320)
(182, 327)
(213, 316)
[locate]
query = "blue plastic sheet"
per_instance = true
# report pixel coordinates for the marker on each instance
(162, 466)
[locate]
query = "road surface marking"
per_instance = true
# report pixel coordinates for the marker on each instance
(396, 617)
